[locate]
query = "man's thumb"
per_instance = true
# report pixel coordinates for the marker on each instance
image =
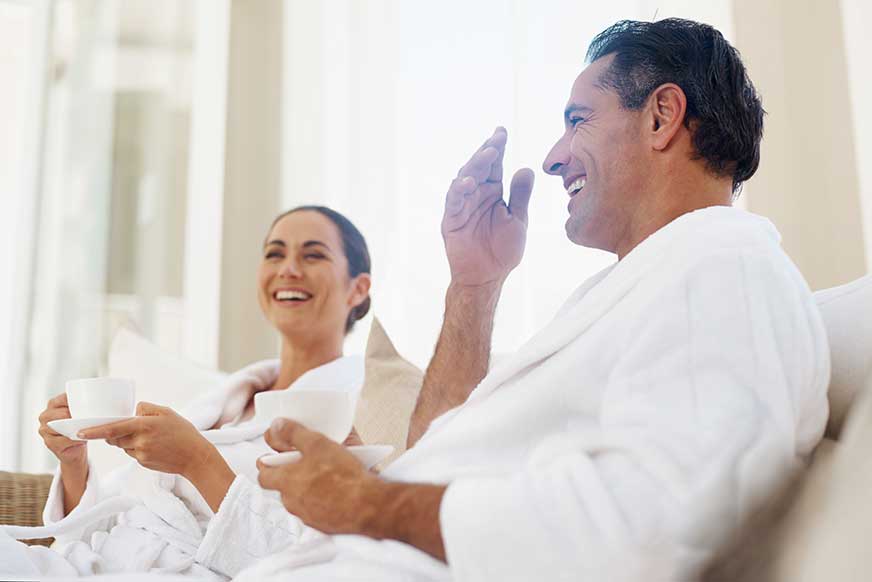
(520, 191)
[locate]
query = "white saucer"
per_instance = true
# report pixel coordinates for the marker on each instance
(368, 455)
(70, 427)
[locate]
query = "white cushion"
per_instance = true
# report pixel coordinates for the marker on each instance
(847, 314)
(160, 377)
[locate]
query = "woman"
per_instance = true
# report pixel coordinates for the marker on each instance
(313, 285)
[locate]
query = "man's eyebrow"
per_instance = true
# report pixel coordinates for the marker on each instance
(573, 107)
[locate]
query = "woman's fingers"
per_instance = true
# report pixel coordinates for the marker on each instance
(58, 401)
(125, 442)
(54, 414)
(113, 430)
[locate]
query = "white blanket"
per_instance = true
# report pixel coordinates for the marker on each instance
(627, 438)
(137, 520)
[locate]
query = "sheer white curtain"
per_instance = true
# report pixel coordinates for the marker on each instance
(385, 100)
(107, 202)
(23, 30)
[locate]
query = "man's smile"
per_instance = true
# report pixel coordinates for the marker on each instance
(575, 186)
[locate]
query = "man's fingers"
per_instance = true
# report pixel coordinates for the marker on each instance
(458, 192)
(519, 193)
(499, 142)
(269, 477)
(286, 435)
(479, 166)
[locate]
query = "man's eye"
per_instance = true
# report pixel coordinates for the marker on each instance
(575, 121)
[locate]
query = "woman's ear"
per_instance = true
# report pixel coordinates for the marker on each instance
(359, 289)
(668, 107)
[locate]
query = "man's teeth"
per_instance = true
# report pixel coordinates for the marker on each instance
(291, 295)
(577, 185)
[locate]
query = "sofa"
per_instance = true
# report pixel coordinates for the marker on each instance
(392, 385)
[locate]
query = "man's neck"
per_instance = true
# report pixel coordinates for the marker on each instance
(670, 201)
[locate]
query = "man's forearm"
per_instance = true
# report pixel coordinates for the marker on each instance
(462, 354)
(407, 513)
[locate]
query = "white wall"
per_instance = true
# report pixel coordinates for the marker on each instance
(808, 178)
(856, 18)
(384, 102)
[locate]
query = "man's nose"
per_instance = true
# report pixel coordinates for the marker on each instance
(557, 157)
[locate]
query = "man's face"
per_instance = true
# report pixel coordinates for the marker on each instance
(600, 158)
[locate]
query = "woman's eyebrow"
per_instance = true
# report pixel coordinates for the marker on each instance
(313, 243)
(275, 242)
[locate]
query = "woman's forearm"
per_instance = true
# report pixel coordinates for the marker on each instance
(73, 479)
(212, 477)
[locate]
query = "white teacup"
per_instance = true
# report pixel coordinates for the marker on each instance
(101, 397)
(330, 412)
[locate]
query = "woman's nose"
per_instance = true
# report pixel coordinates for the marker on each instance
(290, 269)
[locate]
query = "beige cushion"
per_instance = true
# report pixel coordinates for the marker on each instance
(390, 391)
(828, 530)
(847, 314)
(385, 406)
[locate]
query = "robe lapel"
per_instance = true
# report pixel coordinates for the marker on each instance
(596, 297)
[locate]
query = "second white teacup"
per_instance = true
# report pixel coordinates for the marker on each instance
(101, 397)
(330, 412)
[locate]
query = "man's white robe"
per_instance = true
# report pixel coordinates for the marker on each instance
(138, 520)
(627, 438)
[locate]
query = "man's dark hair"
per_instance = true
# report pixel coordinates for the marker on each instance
(724, 111)
(353, 245)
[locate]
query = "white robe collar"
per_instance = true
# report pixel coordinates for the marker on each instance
(598, 294)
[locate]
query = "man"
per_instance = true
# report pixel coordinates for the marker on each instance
(627, 438)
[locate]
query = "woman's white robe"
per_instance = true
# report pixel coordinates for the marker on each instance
(627, 438)
(138, 520)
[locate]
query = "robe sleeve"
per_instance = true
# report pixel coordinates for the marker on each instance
(249, 525)
(719, 389)
(96, 490)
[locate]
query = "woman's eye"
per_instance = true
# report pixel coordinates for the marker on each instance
(314, 256)
(575, 121)
(273, 255)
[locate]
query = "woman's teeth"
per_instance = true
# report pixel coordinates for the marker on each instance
(577, 185)
(292, 295)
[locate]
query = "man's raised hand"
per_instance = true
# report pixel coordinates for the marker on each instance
(484, 236)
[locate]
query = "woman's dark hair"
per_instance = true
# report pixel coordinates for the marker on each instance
(723, 108)
(354, 247)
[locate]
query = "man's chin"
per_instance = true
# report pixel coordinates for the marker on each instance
(575, 233)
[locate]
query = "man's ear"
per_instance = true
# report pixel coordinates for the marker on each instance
(668, 106)
(359, 289)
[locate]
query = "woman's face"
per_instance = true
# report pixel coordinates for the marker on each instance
(303, 283)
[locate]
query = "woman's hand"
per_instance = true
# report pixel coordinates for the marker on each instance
(158, 438)
(73, 455)
(161, 440)
(69, 452)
